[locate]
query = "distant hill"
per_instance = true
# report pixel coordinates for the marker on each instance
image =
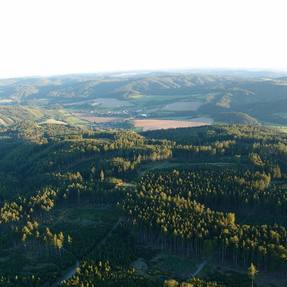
(10, 115)
(236, 118)
(229, 97)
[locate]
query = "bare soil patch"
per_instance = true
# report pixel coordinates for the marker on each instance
(153, 124)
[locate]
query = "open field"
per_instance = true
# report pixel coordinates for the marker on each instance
(154, 124)
(147, 124)
(281, 128)
(110, 103)
(183, 106)
(53, 122)
(95, 119)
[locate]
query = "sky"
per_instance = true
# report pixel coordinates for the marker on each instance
(46, 37)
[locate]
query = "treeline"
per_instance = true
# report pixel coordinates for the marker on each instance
(67, 149)
(234, 188)
(261, 147)
(210, 134)
(176, 221)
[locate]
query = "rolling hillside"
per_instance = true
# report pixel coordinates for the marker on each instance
(229, 98)
(11, 114)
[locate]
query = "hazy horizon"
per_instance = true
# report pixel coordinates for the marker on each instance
(205, 71)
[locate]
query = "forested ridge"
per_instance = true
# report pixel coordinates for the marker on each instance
(109, 198)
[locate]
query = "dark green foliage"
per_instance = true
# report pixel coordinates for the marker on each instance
(61, 188)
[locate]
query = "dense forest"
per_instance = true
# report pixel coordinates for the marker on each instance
(201, 207)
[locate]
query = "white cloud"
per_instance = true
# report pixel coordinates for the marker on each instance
(68, 36)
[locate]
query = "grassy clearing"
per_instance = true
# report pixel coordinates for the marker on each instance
(172, 265)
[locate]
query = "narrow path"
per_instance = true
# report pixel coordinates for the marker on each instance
(199, 268)
(70, 272)
(103, 241)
